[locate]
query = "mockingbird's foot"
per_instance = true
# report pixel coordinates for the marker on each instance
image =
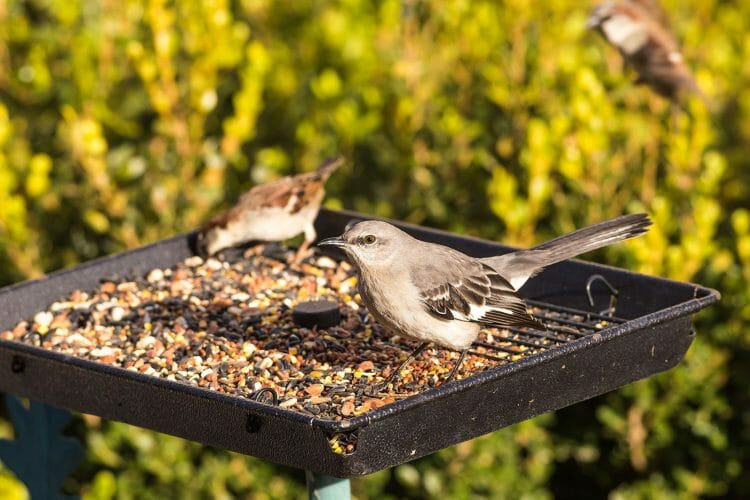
(396, 374)
(374, 390)
(456, 368)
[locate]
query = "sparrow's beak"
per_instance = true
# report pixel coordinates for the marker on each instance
(598, 15)
(333, 242)
(593, 21)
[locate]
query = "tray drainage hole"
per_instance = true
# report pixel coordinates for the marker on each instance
(343, 443)
(17, 364)
(253, 424)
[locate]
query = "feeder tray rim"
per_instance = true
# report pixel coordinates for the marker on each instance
(703, 297)
(355, 423)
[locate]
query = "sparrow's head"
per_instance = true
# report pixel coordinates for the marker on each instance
(200, 246)
(369, 243)
(207, 241)
(599, 14)
(624, 24)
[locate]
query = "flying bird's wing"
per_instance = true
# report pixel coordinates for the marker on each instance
(458, 287)
(662, 66)
(654, 11)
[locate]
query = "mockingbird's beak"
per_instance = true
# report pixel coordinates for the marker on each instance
(333, 242)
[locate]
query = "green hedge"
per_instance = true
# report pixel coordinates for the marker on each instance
(125, 121)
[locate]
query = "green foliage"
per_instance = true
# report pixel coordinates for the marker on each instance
(11, 488)
(122, 122)
(125, 462)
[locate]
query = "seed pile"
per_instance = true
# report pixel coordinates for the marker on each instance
(226, 325)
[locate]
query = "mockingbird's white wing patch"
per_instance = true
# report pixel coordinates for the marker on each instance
(478, 294)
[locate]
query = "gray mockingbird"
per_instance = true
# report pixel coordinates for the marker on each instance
(432, 293)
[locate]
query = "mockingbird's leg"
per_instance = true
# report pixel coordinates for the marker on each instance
(455, 368)
(394, 375)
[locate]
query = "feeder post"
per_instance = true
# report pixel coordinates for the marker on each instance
(40, 455)
(322, 487)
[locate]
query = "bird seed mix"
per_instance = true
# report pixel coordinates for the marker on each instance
(226, 326)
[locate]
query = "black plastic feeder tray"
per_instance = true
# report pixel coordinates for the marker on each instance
(650, 333)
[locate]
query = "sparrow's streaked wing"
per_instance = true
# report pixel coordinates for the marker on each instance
(655, 12)
(292, 192)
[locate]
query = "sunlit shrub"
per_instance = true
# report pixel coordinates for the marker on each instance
(125, 122)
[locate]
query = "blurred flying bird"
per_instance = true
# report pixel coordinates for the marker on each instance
(640, 31)
(274, 211)
(432, 293)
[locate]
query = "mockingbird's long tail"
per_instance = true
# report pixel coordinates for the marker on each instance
(518, 267)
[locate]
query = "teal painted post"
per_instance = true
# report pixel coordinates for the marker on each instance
(321, 487)
(41, 456)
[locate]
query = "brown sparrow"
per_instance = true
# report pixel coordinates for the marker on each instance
(274, 211)
(640, 31)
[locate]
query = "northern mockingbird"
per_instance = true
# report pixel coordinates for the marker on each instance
(432, 293)
(639, 29)
(274, 211)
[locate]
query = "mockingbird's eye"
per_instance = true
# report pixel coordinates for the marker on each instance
(369, 239)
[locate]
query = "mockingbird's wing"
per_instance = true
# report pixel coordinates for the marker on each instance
(454, 286)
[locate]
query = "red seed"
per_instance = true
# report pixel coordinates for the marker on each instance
(347, 408)
(314, 389)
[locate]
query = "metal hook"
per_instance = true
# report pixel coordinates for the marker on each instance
(610, 311)
(259, 396)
